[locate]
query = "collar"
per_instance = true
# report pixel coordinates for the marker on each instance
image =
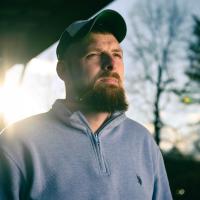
(77, 120)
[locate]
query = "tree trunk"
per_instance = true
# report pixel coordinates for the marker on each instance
(157, 119)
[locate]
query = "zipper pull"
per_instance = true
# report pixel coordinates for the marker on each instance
(96, 138)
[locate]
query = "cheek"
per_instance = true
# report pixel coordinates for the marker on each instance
(120, 70)
(91, 71)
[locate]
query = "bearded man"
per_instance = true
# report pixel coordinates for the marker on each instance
(84, 148)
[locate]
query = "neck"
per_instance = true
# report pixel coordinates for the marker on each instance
(95, 119)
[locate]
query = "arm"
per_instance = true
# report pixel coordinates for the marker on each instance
(161, 185)
(10, 178)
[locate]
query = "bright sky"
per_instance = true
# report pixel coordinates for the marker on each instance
(41, 86)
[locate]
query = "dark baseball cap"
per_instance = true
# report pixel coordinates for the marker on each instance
(108, 20)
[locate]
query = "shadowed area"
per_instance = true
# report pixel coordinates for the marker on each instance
(29, 27)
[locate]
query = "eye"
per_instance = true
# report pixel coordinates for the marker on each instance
(92, 55)
(118, 55)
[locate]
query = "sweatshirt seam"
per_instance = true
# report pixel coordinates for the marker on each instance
(157, 159)
(14, 163)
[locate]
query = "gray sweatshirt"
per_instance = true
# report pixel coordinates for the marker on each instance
(56, 156)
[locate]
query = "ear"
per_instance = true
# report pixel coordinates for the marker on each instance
(61, 69)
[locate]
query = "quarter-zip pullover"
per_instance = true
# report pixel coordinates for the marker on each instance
(55, 156)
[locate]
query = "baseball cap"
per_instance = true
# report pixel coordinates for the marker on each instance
(108, 20)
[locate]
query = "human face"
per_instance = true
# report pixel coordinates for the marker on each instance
(97, 69)
(95, 55)
(103, 53)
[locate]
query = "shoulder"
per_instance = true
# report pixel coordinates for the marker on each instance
(136, 128)
(143, 141)
(140, 136)
(19, 138)
(25, 129)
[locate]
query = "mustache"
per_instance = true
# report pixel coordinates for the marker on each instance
(107, 74)
(104, 74)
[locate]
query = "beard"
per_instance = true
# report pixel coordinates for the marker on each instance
(103, 97)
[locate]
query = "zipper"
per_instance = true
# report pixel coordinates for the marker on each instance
(97, 147)
(98, 132)
(102, 164)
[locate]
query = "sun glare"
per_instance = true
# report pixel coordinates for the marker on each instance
(37, 91)
(33, 95)
(15, 102)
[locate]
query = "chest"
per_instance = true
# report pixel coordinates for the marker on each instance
(86, 166)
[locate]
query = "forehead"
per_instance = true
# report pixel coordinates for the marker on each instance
(100, 40)
(93, 41)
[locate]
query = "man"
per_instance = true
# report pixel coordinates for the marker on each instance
(84, 148)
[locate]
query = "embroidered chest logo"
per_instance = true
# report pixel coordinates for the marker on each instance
(139, 180)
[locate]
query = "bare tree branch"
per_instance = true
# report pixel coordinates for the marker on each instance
(156, 34)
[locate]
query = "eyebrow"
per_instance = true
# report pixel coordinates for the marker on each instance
(119, 50)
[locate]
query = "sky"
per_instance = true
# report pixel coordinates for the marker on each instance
(40, 86)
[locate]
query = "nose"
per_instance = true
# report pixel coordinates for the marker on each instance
(107, 62)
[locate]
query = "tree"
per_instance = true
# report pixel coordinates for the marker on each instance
(191, 93)
(193, 71)
(156, 44)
